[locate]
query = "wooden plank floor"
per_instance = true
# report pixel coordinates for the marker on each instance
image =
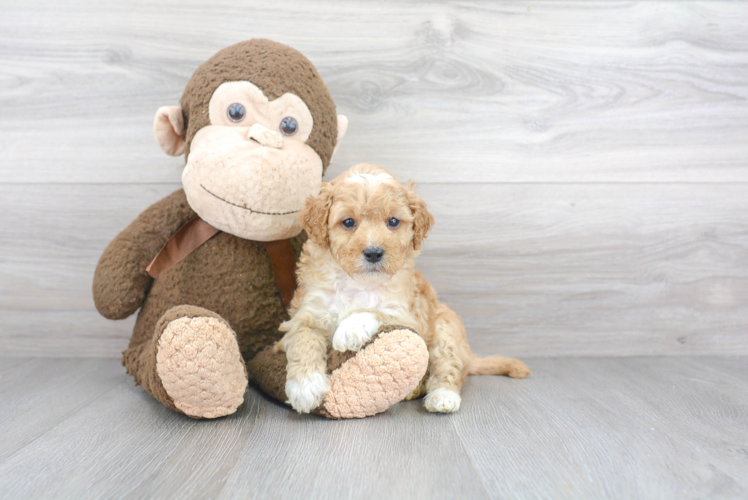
(646, 427)
(587, 166)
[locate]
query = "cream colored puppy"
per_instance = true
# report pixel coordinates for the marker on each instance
(357, 273)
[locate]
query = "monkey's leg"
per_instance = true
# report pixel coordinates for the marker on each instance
(386, 370)
(192, 364)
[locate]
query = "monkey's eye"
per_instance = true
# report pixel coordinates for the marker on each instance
(289, 125)
(349, 223)
(393, 223)
(236, 112)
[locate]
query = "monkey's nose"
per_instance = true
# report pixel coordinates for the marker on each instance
(373, 254)
(265, 136)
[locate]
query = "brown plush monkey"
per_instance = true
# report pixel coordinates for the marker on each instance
(211, 266)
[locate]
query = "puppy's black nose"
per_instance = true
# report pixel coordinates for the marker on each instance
(373, 254)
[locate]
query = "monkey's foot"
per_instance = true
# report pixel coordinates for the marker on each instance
(381, 374)
(200, 367)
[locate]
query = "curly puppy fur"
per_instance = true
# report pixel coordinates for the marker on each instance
(357, 272)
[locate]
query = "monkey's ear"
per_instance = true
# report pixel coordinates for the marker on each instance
(342, 129)
(168, 127)
(422, 218)
(315, 214)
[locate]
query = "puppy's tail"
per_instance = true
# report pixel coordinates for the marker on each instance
(497, 365)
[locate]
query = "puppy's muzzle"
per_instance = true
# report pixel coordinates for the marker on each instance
(373, 254)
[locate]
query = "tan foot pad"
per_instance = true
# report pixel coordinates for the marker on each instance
(200, 366)
(380, 375)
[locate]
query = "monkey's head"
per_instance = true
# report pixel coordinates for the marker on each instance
(258, 128)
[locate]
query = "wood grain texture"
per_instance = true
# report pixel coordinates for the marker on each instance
(582, 428)
(586, 160)
(37, 394)
(534, 270)
(587, 166)
(457, 91)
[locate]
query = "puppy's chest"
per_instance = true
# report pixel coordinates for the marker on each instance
(344, 300)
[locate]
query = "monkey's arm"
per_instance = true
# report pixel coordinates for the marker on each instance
(120, 282)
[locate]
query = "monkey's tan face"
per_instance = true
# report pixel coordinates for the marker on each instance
(250, 171)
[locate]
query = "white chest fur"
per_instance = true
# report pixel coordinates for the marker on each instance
(348, 296)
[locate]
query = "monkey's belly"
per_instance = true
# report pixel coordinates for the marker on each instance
(230, 276)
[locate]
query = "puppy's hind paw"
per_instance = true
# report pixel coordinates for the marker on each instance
(442, 401)
(355, 331)
(306, 394)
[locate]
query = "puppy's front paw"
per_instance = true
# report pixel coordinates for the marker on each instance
(442, 401)
(307, 394)
(355, 331)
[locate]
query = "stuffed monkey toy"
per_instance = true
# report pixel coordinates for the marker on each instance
(211, 267)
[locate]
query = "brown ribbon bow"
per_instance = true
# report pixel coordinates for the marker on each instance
(196, 232)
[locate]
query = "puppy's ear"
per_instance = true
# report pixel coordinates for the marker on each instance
(314, 215)
(422, 218)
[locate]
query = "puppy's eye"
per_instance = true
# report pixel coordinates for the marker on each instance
(236, 112)
(349, 223)
(393, 223)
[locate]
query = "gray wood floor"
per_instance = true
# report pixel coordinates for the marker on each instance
(592, 428)
(587, 165)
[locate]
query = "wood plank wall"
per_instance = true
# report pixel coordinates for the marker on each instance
(587, 162)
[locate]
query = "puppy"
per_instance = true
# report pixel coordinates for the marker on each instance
(357, 273)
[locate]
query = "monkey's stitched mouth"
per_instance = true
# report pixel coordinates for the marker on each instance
(247, 208)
